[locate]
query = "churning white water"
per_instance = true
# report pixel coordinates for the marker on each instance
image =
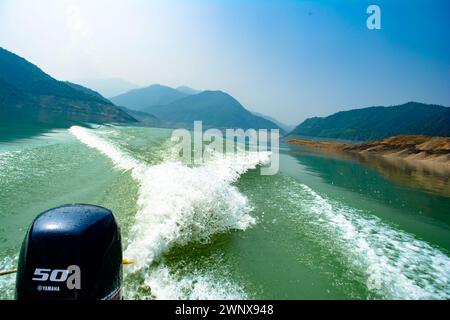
(179, 204)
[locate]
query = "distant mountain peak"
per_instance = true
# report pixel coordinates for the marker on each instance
(218, 94)
(215, 108)
(156, 85)
(155, 94)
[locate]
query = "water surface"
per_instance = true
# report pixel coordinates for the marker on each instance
(323, 228)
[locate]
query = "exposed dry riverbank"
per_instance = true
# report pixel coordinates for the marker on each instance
(410, 147)
(419, 161)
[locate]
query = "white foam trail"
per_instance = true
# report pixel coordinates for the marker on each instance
(179, 204)
(397, 265)
(194, 286)
(120, 159)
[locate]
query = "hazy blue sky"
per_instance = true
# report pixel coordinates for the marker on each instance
(288, 59)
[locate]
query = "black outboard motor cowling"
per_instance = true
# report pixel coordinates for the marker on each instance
(73, 252)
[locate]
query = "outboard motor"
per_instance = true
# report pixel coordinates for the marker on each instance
(71, 252)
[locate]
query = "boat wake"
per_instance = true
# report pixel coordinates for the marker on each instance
(179, 204)
(393, 263)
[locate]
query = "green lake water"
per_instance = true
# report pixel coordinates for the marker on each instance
(322, 228)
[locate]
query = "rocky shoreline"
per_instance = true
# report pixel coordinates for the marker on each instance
(410, 147)
(418, 161)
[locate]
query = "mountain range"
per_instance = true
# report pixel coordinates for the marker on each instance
(140, 99)
(379, 122)
(216, 109)
(29, 94)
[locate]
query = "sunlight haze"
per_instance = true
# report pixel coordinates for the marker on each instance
(287, 59)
